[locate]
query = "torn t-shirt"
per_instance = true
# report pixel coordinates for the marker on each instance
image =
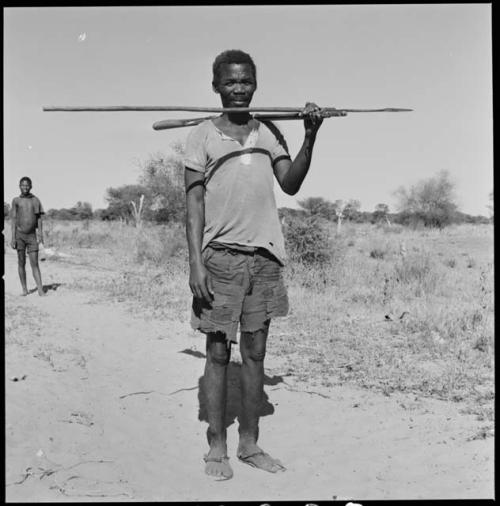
(240, 206)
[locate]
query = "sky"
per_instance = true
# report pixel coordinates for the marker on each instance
(433, 58)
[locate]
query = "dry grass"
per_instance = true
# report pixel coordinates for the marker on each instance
(345, 323)
(393, 310)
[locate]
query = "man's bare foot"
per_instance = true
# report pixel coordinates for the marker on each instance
(25, 293)
(254, 456)
(217, 464)
(42, 293)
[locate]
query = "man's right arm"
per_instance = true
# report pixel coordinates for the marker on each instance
(13, 219)
(199, 279)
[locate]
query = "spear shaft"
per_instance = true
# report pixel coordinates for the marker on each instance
(120, 108)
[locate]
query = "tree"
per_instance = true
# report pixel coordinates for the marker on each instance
(163, 179)
(318, 206)
(381, 213)
(490, 205)
(351, 210)
(82, 211)
(119, 201)
(338, 206)
(431, 201)
(137, 210)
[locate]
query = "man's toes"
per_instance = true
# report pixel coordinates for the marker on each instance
(277, 467)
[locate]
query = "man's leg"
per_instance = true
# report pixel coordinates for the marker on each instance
(33, 255)
(253, 350)
(215, 386)
(21, 269)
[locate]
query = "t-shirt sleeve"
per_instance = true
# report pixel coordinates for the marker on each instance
(37, 207)
(277, 144)
(196, 149)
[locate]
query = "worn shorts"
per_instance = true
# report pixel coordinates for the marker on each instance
(26, 242)
(248, 291)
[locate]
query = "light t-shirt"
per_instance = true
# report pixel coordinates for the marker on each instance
(240, 207)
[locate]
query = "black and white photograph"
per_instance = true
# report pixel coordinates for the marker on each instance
(248, 253)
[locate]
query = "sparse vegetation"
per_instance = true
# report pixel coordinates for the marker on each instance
(361, 311)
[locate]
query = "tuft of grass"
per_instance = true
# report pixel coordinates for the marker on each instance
(419, 271)
(471, 263)
(451, 262)
(157, 245)
(377, 253)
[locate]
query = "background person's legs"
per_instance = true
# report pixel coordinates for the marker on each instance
(21, 268)
(33, 256)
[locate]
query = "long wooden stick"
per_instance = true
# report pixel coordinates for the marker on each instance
(118, 108)
(179, 123)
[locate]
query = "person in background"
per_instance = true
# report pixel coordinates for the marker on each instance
(27, 232)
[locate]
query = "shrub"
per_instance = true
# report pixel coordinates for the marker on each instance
(307, 240)
(377, 253)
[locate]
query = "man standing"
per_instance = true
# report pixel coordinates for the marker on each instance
(236, 248)
(27, 232)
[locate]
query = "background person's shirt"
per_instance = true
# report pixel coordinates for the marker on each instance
(240, 206)
(26, 211)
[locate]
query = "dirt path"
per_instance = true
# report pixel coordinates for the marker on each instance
(102, 405)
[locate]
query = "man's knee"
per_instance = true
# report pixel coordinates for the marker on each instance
(217, 350)
(253, 345)
(219, 355)
(21, 259)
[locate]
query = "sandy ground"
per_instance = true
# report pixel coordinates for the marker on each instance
(103, 405)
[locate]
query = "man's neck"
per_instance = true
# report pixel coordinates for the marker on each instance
(237, 118)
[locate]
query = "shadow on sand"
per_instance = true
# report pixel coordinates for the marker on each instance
(233, 406)
(46, 288)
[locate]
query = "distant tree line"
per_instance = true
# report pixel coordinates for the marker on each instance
(159, 197)
(429, 203)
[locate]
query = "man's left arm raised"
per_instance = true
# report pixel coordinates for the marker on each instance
(291, 174)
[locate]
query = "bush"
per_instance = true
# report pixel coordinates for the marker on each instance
(307, 239)
(431, 201)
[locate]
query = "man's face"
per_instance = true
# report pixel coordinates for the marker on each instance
(25, 187)
(236, 85)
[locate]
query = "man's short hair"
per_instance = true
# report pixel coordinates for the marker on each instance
(231, 56)
(26, 178)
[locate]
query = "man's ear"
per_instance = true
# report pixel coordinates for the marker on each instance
(214, 88)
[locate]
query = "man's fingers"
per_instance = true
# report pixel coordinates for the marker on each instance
(208, 293)
(196, 292)
(210, 287)
(205, 294)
